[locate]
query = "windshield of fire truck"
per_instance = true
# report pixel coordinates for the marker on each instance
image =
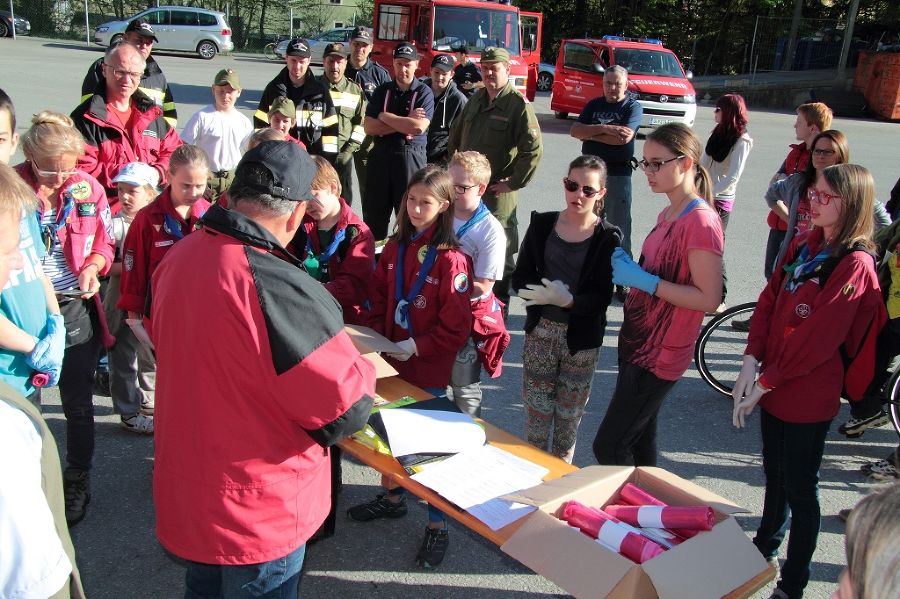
(648, 62)
(455, 26)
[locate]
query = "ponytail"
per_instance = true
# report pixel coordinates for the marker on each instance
(703, 184)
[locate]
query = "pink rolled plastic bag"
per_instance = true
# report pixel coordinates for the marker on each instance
(658, 516)
(610, 532)
(40, 379)
(633, 495)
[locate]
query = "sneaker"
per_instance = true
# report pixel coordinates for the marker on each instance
(855, 427)
(773, 561)
(433, 548)
(138, 423)
(882, 470)
(741, 325)
(77, 494)
(890, 460)
(147, 405)
(380, 507)
(621, 292)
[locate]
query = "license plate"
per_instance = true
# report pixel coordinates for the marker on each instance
(661, 121)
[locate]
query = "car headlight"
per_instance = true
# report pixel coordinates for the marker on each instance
(690, 99)
(102, 29)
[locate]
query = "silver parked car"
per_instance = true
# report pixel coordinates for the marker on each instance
(178, 28)
(317, 43)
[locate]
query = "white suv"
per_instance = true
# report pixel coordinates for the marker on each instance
(178, 28)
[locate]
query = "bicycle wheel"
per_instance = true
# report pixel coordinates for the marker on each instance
(719, 351)
(269, 51)
(893, 403)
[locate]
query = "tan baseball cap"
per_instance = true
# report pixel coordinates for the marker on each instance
(283, 105)
(227, 77)
(492, 54)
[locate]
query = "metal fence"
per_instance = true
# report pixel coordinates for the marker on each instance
(817, 45)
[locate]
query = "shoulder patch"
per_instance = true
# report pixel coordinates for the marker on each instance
(461, 282)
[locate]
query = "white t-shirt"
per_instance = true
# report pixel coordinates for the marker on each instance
(222, 135)
(34, 563)
(485, 243)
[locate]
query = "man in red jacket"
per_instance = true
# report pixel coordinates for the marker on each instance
(256, 380)
(120, 124)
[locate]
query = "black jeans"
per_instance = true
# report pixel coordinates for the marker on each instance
(792, 454)
(724, 215)
(76, 383)
(627, 435)
(389, 170)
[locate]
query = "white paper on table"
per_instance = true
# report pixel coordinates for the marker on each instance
(413, 431)
(475, 479)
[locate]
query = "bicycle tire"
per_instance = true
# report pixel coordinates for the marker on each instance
(893, 403)
(719, 351)
(269, 51)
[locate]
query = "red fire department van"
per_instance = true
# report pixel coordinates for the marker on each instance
(655, 76)
(442, 26)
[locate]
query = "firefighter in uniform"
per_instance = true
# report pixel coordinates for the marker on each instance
(368, 75)
(350, 105)
(500, 123)
(317, 121)
(153, 83)
(397, 117)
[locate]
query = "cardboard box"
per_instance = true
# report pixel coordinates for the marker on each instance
(367, 340)
(712, 564)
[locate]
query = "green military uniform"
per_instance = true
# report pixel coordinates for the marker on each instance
(350, 105)
(506, 131)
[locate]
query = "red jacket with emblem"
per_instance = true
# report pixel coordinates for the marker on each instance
(88, 227)
(349, 270)
(796, 336)
(796, 162)
(148, 138)
(256, 380)
(148, 241)
(440, 316)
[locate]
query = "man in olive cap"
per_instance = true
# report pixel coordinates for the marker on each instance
(260, 349)
(221, 131)
(500, 123)
(350, 104)
(153, 84)
(316, 124)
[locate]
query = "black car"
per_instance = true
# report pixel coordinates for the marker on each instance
(23, 27)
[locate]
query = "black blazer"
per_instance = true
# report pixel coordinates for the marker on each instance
(593, 294)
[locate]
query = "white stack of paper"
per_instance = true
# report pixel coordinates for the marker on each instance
(412, 431)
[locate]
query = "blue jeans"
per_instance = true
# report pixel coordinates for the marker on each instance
(617, 207)
(792, 454)
(276, 579)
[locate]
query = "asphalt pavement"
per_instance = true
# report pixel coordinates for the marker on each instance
(118, 552)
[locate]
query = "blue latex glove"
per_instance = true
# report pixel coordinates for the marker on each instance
(47, 355)
(627, 273)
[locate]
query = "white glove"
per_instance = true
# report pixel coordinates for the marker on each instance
(555, 293)
(409, 348)
(744, 383)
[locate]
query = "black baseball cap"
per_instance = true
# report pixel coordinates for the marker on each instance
(141, 27)
(291, 168)
(406, 51)
(463, 50)
(335, 49)
(361, 34)
(443, 62)
(298, 46)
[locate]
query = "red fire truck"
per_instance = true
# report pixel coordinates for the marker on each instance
(442, 26)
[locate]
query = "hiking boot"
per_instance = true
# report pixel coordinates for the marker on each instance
(138, 423)
(380, 507)
(147, 405)
(433, 548)
(621, 292)
(855, 427)
(77, 493)
(741, 325)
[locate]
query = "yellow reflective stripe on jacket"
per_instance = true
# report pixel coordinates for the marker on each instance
(329, 144)
(259, 114)
(156, 95)
(330, 121)
(345, 99)
(358, 134)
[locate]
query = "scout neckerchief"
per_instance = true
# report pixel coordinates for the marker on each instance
(804, 267)
(173, 227)
(401, 313)
(316, 265)
(480, 214)
(50, 233)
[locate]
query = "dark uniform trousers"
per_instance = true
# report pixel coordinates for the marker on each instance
(503, 207)
(391, 166)
(345, 176)
(361, 162)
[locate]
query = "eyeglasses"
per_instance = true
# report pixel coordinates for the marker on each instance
(653, 167)
(823, 153)
(464, 188)
(588, 192)
(122, 73)
(52, 174)
(820, 197)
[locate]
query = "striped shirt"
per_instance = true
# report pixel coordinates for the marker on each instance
(54, 261)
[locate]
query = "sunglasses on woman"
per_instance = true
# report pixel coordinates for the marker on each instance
(588, 192)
